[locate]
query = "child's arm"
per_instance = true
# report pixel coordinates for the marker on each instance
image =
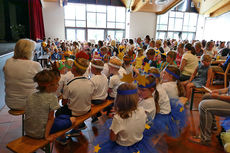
(49, 126)
(182, 65)
(194, 74)
(209, 77)
(113, 136)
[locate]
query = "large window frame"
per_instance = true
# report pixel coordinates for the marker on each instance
(85, 25)
(169, 29)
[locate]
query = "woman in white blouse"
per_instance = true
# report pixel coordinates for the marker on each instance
(19, 72)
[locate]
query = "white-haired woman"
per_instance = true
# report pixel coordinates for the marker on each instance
(19, 72)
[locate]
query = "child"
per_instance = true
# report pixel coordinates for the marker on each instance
(114, 66)
(170, 59)
(174, 89)
(163, 99)
(150, 58)
(139, 59)
(40, 108)
(163, 61)
(105, 70)
(147, 101)
(203, 78)
(126, 66)
(123, 138)
(77, 93)
(100, 83)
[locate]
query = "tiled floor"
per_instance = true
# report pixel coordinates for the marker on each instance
(10, 129)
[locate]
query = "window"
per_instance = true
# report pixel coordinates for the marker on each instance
(171, 23)
(94, 22)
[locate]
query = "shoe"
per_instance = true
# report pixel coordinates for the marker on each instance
(82, 126)
(94, 119)
(62, 141)
(73, 133)
(197, 140)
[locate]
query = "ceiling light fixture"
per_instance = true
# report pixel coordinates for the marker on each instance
(161, 2)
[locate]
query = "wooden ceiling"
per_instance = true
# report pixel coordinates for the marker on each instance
(210, 8)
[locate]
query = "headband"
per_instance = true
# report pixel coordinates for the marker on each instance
(79, 66)
(97, 66)
(147, 86)
(127, 92)
(113, 65)
(173, 74)
(156, 75)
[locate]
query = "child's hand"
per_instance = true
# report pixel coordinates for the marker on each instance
(51, 137)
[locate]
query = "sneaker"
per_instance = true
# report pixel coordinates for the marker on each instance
(62, 141)
(82, 126)
(73, 133)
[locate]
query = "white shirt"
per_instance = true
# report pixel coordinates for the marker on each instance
(100, 83)
(166, 49)
(122, 71)
(113, 84)
(105, 70)
(130, 130)
(19, 81)
(65, 78)
(191, 63)
(165, 107)
(79, 93)
(171, 89)
(149, 107)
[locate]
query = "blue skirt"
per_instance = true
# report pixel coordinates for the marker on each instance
(226, 123)
(178, 113)
(103, 144)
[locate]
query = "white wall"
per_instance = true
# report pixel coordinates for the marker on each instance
(53, 16)
(142, 24)
(217, 28)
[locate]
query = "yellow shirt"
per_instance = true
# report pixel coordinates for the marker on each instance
(139, 61)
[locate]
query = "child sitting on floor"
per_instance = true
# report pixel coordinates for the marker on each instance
(40, 107)
(128, 125)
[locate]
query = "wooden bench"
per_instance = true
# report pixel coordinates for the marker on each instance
(16, 113)
(26, 144)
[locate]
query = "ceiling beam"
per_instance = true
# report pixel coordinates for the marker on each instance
(139, 5)
(175, 2)
(221, 10)
(210, 6)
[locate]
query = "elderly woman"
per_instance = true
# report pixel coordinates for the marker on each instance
(19, 72)
(189, 62)
(217, 103)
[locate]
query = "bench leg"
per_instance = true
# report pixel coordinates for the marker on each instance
(46, 149)
(23, 125)
(191, 104)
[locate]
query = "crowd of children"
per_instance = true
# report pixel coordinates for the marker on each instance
(86, 74)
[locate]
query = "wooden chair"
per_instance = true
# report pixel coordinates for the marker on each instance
(196, 90)
(16, 113)
(225, 74)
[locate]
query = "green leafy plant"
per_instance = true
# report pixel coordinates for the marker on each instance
(19, 30)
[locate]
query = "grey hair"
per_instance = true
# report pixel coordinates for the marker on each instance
(24, 49)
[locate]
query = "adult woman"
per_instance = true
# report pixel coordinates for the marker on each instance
(19, 72)
(199, 51)
(217, 103)
(209, 49)
(189, 62)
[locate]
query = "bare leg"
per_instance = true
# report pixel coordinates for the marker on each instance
(189, 90)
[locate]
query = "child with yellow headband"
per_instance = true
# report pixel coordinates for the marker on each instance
(77, 94)
(40, 107)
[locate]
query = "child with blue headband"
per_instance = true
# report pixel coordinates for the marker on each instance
(174, 89)
(127, 127)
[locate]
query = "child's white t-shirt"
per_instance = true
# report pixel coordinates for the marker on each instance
(113, 84)
(130, 130)
(165, 107)
(79, 92)
(65, 78)
(171, 89)
(149, 107)
(100, 83)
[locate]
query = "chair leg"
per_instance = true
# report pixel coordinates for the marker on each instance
(191, 104)
(23, 125)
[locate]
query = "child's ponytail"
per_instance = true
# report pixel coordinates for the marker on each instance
(156, 99)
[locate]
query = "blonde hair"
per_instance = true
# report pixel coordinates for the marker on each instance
(158, 42)
(206, 58)
(125, 104)
(24, 49)
(113, 43)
